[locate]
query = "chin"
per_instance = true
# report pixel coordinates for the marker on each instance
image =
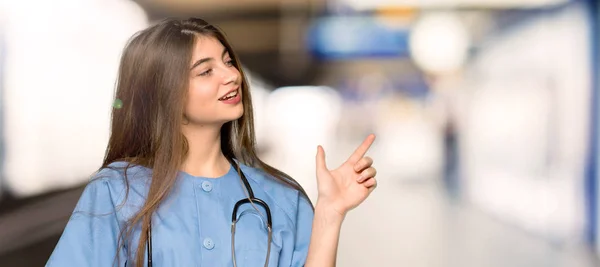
(237, 114)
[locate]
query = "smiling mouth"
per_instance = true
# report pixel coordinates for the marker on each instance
(230, 95)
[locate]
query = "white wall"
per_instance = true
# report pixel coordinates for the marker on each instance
(60, 71)
(526, 128)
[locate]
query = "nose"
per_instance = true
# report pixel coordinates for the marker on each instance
(230, 75)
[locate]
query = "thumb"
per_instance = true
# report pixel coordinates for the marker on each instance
(321, 165)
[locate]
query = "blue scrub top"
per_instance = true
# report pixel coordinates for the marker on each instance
(192, 227)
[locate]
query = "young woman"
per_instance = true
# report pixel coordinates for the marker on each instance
(181, 184)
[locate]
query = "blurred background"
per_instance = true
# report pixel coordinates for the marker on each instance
(486, 114)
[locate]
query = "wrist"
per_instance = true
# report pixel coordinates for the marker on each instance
(328, 213)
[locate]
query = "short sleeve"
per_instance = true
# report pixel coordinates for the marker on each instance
(91, 235)
(304, 222)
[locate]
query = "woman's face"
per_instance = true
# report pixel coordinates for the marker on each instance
(215, 93)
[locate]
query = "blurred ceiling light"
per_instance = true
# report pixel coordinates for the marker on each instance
(398, 11)
(396, 17)
(439, 42)
(207, 6)
(376, 4)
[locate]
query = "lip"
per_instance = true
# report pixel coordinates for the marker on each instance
(232, 90)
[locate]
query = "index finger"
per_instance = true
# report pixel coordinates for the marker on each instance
(360, 152)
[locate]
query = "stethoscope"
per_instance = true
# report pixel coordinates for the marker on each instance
(252, 200)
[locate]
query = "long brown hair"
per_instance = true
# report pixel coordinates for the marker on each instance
(146, 130)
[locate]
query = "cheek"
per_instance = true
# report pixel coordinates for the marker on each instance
(201, 99)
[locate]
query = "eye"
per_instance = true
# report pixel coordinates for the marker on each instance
(206, 73)
(229, 63)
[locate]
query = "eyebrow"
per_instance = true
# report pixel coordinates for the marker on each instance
(202, 60)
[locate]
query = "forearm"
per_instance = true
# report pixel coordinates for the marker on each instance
(322, 251)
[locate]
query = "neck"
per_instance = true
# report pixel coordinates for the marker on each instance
(204, 157)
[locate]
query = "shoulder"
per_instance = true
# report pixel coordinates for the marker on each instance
(117, 173)
(271, 185)
(287, 198)
(117, 182)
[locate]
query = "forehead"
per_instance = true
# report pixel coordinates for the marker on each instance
(207, 46)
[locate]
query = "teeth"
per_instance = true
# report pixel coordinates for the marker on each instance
(230, 95)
